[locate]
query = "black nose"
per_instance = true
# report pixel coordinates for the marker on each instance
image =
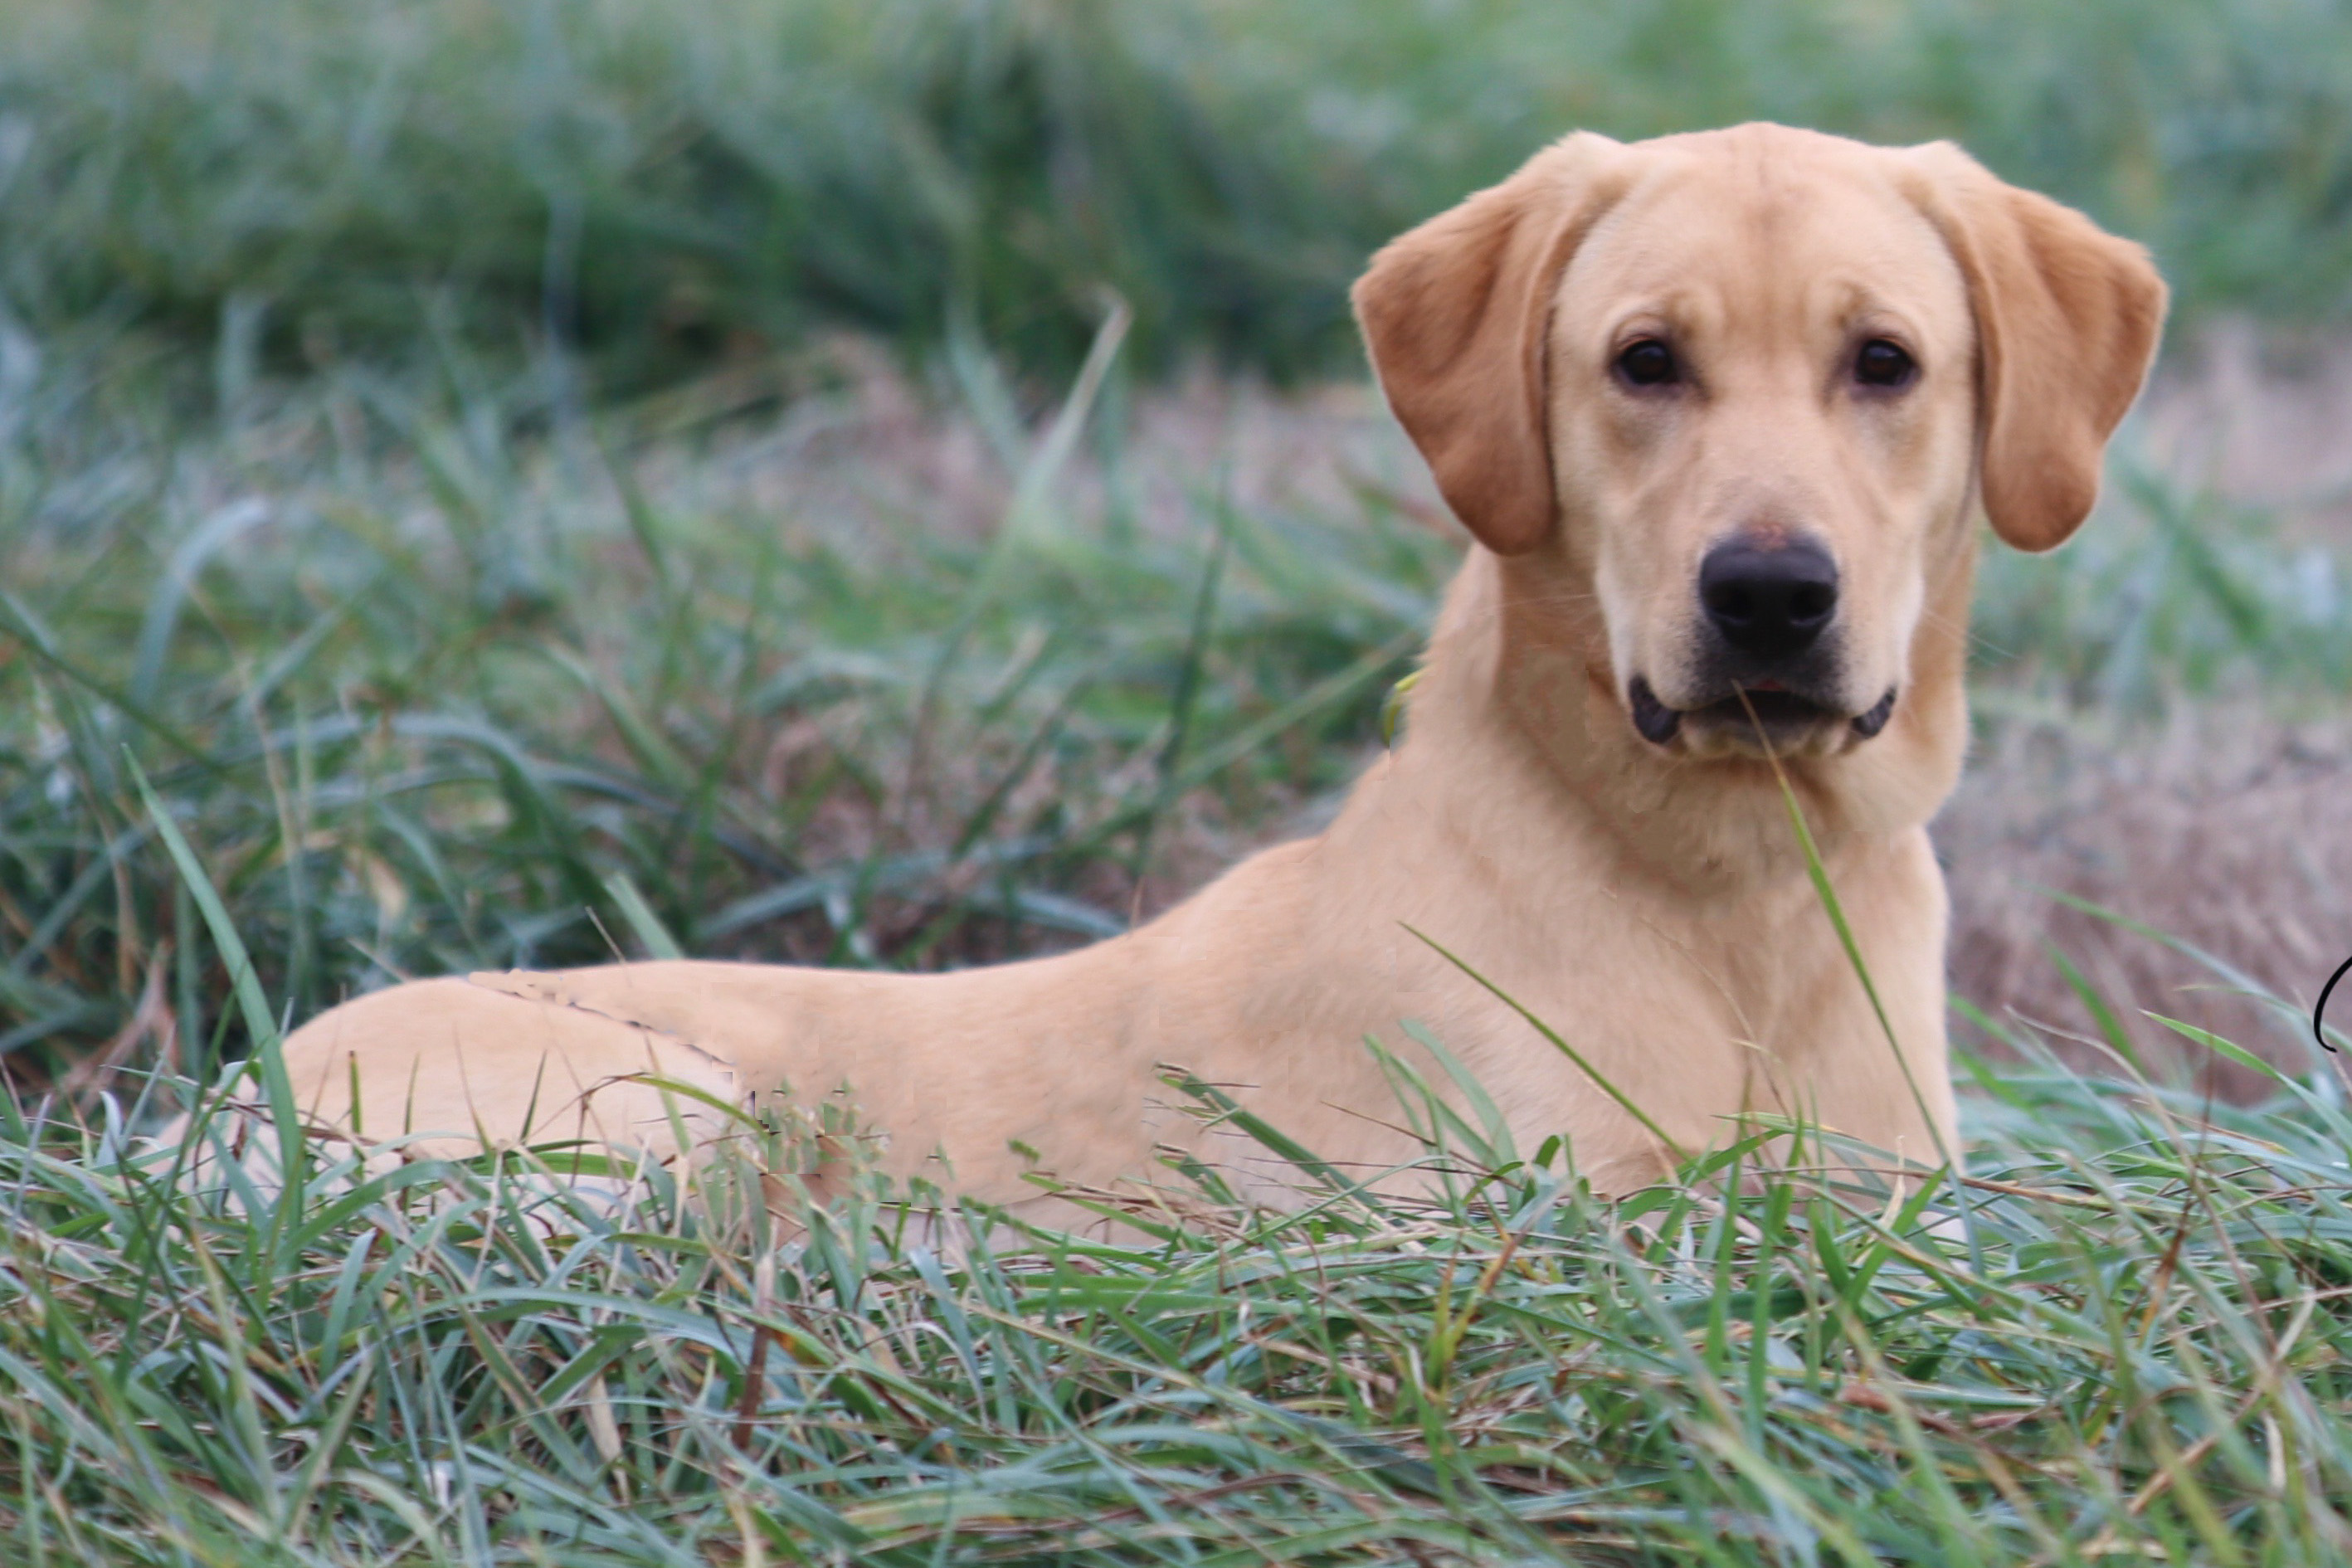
(1769, 600)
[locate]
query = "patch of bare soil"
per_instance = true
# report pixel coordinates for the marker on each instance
(871, 448)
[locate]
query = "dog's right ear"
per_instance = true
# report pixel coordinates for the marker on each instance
(1455, 314)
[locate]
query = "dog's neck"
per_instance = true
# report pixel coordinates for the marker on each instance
(1518, 687)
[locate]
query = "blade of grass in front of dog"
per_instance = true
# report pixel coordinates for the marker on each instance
(1827, 893)
(1227, 1109)
(1495, 1145)
(1820, 875)
(1625, 1101)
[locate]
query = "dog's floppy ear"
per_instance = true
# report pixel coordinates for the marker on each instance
(2067, 321)
(1455, 314)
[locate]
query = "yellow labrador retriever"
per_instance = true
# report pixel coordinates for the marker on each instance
(1721, 411)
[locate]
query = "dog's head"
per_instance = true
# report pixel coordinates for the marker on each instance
(1747, 389)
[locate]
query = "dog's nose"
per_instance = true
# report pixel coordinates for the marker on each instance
(1769, 600)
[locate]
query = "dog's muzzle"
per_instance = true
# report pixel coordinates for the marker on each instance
(1769, 667)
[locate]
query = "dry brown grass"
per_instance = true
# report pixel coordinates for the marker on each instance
(2227, 830)
(2260, 417)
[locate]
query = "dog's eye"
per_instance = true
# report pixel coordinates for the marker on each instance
(1648, 364)
(1881, 364)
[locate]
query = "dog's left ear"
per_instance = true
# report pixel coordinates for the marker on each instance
(1455, 313)
(2067, 321)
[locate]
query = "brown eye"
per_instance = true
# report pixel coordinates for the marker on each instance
(1881, 364)
(1648, 363)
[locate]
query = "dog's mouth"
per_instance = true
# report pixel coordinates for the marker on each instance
(1784, 716)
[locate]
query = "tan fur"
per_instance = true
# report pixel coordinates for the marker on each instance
(1649, 901)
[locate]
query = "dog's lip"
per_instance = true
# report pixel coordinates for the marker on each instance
(1767, 701)
(1869, 724)
(1653, 719)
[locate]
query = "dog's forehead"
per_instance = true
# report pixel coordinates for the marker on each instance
(1737, 230)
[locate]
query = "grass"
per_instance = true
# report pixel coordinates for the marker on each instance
(2134, 1345)
(430, 691)
(669, 185)
(2174, 593)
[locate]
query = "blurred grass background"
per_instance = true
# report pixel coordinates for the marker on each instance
(667, 183)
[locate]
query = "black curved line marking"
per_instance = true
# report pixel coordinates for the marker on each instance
(2319, 1011)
